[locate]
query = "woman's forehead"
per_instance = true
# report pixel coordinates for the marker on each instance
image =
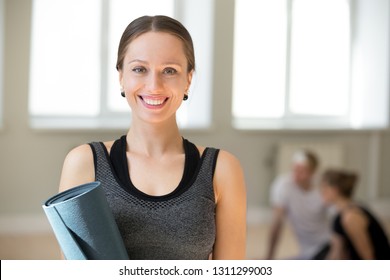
(156, 45)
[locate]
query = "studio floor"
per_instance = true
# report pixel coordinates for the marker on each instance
(44, 246)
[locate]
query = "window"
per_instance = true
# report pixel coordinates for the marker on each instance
(294, 66)
(73, 80)
(319, 58)
(259, 59)
(2, 14)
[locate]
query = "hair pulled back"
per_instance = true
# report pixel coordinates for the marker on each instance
(158, 23)
(343, 181)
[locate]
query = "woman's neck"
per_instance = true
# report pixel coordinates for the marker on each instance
(342, 203)
(154, 140)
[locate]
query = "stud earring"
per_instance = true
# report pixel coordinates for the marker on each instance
(123, 94)
(185, 97)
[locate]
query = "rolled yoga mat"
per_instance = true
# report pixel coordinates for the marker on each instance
(83, 224)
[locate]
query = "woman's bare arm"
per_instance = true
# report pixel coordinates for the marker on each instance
(229, 186)
(78, 168)
(356, 226)
(336, 251)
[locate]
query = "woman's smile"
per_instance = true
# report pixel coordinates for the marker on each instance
(153, 102)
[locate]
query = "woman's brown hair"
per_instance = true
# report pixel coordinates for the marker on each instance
(159, 23)
(342, 180)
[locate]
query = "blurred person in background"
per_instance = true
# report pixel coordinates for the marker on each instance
(295, 197)
(357, 234)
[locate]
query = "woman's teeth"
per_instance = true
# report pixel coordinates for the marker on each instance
(154, 102)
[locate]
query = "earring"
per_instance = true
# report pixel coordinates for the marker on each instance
(123, 94)
(185, 97)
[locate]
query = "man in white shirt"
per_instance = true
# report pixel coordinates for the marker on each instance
(296, 197)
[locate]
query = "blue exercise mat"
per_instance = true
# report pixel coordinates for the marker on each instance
(83, 224)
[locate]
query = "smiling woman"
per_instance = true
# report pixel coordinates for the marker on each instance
(170, 198)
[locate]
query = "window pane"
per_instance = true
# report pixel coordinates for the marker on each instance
(259, 58)
(65, 58)
(2, 14)
(319, 74)
(122, 12)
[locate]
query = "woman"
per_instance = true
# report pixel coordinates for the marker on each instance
(171, 199)
(357, 234)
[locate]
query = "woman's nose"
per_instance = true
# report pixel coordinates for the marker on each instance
(154, 82)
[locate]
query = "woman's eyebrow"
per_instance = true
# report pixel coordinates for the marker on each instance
(165, 63)
(138, 60)
(173, 63)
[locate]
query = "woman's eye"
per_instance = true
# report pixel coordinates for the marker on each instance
(139, 70)
(170, 71)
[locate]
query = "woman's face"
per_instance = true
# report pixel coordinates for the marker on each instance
(154, 76)
(329, 193)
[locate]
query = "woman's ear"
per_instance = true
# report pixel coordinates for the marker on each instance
(121, 83)
(120, 76)
(189, 79)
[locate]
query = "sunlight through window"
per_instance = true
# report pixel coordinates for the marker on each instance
(291, 59)
(259, 58)
(319, 74)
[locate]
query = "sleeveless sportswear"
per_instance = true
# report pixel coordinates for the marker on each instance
(179, 225)
(118, 159)
(376, 233)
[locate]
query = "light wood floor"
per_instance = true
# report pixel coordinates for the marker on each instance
(45, 246)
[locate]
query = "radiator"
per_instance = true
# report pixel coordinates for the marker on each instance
(330, 155)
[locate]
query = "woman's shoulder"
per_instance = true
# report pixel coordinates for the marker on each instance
(225, 159)
(354, 217)
(84, 152)
(78, 167)
(78, 155)
(228, 175)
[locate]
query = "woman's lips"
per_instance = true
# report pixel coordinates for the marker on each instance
(153, 102)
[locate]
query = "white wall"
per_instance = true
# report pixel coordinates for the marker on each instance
(30, 162)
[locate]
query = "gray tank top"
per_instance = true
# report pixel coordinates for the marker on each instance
(179, 226)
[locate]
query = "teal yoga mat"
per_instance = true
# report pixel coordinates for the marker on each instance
(83, 224)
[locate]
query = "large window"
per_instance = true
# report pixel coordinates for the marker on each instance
(2, 14)
(295, 62)
(73, 80)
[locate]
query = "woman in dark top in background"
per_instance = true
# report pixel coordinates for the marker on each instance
(357, 234)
